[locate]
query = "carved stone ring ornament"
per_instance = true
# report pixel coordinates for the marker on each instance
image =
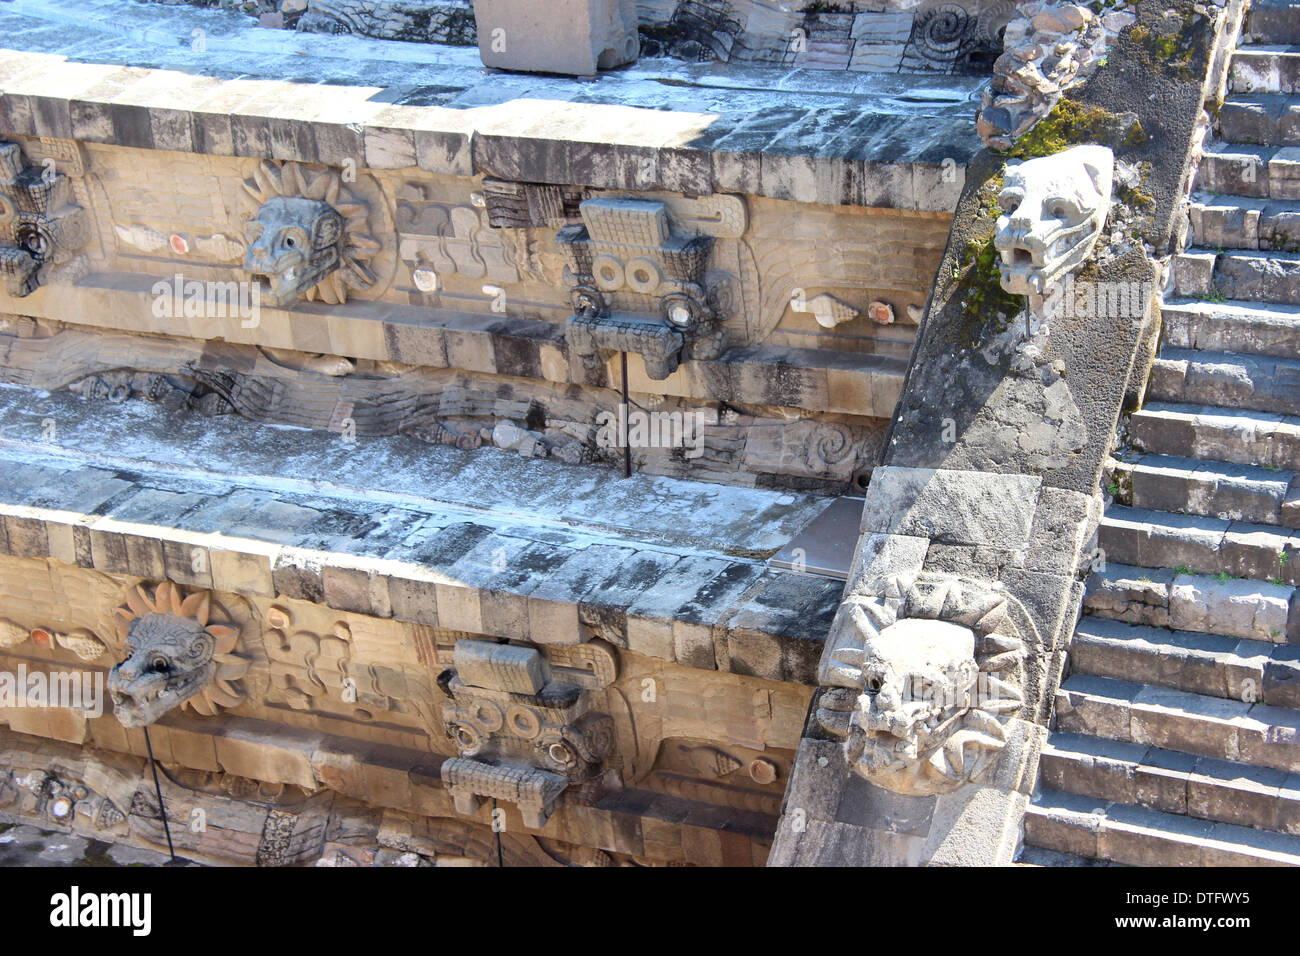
(41, 226)
(1053, 210)
(921, 681)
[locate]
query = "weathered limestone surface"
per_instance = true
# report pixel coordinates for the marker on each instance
(419, 21)
(379, 541)
(898, 35)
(437, 110)
(391, 644)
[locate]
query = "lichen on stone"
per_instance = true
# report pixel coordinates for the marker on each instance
(1071, 123)
(1168, 45)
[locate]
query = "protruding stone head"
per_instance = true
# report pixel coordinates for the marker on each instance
(169, 659)
(916, 675)
(917, 682)
(293, 243)
(1053, 210)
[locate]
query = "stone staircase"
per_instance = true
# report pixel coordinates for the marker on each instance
(1177, 732)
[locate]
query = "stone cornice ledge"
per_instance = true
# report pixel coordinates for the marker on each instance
(537, 140)
(850, 383)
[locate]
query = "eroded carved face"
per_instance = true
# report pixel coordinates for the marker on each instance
(917, 681)
(294, 243)
(169, 659)
(918, 677)
(1053, 210)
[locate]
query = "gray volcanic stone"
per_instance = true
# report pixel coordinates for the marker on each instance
(964, 507)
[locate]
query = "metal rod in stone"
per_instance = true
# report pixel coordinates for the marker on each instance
(627, 408)
(157, 787)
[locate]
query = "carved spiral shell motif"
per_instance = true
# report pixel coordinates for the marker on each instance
(946, 32)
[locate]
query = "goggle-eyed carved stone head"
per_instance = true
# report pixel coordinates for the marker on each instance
(1053, 210)
(293, 244)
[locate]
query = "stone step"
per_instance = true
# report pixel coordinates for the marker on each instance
(1174, 598)
(1199, 545)
(1240, 169)
(1242, 222)
(1037, 856)
(1138, 836)
(1242, 274)
(1255, 734)
(1265, 69)
(1171, 782)
(1213, 488)
(1273, 21)
(1206, 664)
(1249, 327)
(1264, 119)
(1201, 377)
(1219, 434)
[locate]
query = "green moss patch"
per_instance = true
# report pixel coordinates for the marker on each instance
(1071, 123)
(1173, 46)
(980, 291)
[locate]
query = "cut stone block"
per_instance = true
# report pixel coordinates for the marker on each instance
(577, 37)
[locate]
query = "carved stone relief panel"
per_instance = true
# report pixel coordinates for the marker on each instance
(81, 641)
(514, 205)
(163, 217)
(524, 733)
(532, 726)
(362, 676)
(439, 238)
(62, 796)
(826, 277)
